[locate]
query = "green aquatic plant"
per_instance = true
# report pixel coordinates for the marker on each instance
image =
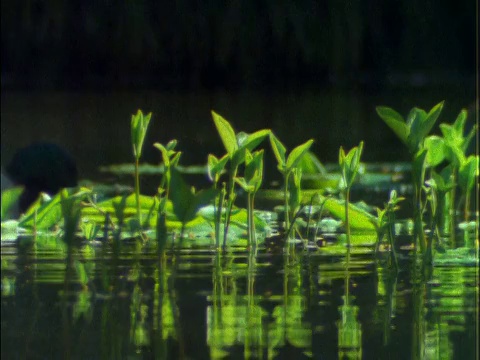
(386, 224)
(250, 183)
(139, 126)
(413, 131)
(186, 201)
(467, 174)
(456, 144)
(236, 146)
(170, 159)
(349, 165)
(215, 168)
(286, 166)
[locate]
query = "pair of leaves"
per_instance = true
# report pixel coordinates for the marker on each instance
(350, 163)
(139, 125)
(455, 141)
(237, 144)
(413, 131)
(186, 202)
(252, 180)
(467, 173)
(287, 164)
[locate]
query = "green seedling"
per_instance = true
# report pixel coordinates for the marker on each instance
(349, 165)
(170, 159)
(139, 126)
(466, 179)
(251, 182)
(236, 146)
(9, 202)
(438, 190)
(215, 168)
(457, 144)
(286, 166)
(386, 223)
(413, 132)
(186, 202)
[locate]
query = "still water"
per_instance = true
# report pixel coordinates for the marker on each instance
(101, 302)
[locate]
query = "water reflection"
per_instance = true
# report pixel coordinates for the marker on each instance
(94, 302)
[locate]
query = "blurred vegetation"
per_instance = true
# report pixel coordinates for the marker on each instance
(213, 43)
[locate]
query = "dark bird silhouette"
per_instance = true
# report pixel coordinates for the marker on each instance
(41, 167)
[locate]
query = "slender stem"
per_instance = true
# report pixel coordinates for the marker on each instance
(231, 199)
(137, 192)
(452, 210)
(218, 219)
(467, 206)
(286, 197)
(418, 223)
(252, 241)
(347, 219)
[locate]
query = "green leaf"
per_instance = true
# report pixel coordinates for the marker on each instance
(436, 150)
(297, 153)
(253, 140)
(139, 126)
(423, 124)
(467, 173)
(279, 151)
(359, 219)
(226, 132)
(165, 153)
(185, 203)
(395, 121)
(10, 202)
(418, 166)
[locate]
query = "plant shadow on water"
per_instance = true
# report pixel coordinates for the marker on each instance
(188, 274)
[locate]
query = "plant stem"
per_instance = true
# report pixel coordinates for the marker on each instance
(137, 193)
(287, 210)
(452, 210)
(218, 216)
(347, 219)
(231, 199)
(418, 223)
(252, 240)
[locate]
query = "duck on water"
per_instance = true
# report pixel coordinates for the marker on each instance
(40, 167)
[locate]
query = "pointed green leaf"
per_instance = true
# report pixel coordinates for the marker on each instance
(436, 150)
(279, 151)
(395, 121)
(253, 140)
(297, 153)
(467, 173)
(226, 132)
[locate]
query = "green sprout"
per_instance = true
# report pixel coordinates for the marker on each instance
(286, 166)
(251, 182)
(170, 159)
(413, 132)
(215, 167)
(236, 146)
(386, 224)
(139, 126)
(349, 164)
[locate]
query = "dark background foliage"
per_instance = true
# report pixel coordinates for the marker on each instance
(232, 44)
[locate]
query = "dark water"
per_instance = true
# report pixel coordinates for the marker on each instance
(205, 305)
